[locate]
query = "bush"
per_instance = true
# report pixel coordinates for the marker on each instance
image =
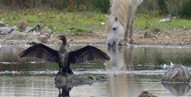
(186, 9)
(69, 5)
(179, 7)
(163, 7)
(102, 5)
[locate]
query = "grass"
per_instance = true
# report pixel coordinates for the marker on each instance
(151, 22)
(58, 21)
(79, 22)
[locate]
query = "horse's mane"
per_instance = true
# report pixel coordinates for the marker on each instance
(119, 9)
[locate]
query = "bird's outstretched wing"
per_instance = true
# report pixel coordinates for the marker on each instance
(86, 54)
(42, 52)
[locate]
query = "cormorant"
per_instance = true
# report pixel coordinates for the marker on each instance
(62, 57)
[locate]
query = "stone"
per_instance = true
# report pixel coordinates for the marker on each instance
(43, 38)
(16, 35)
(176, 74)
(45, 30)
(146, 94)
(34, 41)
(5, 30)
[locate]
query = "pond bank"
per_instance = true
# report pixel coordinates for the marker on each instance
(141, 37)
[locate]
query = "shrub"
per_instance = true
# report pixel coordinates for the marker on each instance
(102, 5)
(179, 7)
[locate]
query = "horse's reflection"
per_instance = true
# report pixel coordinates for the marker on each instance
(117, 82)
(116, 61)
(121, 59)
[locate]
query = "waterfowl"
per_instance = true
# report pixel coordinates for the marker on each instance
(62, 57)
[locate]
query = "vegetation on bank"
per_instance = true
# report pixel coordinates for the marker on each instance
(58, 21)
(76, 16)
(77, 22)
(174, 7)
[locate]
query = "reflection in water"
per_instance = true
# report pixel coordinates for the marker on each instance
(116, 61)
(130, 71)
(120, 59)
(26, 86)
(64, 89)
(128, 57)
(177, 89)
(117, 83)
(65, 82)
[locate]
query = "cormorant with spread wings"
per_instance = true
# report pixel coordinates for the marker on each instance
(64, 58)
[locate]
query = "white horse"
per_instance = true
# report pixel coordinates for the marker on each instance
(120, 21)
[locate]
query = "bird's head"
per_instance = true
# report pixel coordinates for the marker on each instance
(63, 38)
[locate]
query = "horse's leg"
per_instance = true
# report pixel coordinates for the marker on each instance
(127, 33)
(131, 32)
(132, 14)
(128, 26)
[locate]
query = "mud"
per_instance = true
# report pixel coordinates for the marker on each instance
(142, 37)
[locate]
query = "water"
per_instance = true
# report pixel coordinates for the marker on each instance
(130, 71)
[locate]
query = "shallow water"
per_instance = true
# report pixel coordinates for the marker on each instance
(130, 71)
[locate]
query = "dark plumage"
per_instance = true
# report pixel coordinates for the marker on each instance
(62, 57)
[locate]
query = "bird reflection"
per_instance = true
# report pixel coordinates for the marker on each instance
(177, 89)
(64, 86)
(65, 83)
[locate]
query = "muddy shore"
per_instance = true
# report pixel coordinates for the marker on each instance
(141, 37)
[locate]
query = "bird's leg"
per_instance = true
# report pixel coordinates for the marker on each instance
(70, 71)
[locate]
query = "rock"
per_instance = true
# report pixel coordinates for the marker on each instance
(47, 35)
(75, 80)
(22, 25)
(53, 40)
(14, 27)
(16, 35)
(146, 94)
(177, 89)
(176, 74)
(5, 30)
(45, 30)
(34, 33)
(63, 79)
(27, 29)
(43, 38)
(34, 41)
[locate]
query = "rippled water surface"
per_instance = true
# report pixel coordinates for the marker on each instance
(130, 71)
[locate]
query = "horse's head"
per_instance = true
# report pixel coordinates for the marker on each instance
(115, 31)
